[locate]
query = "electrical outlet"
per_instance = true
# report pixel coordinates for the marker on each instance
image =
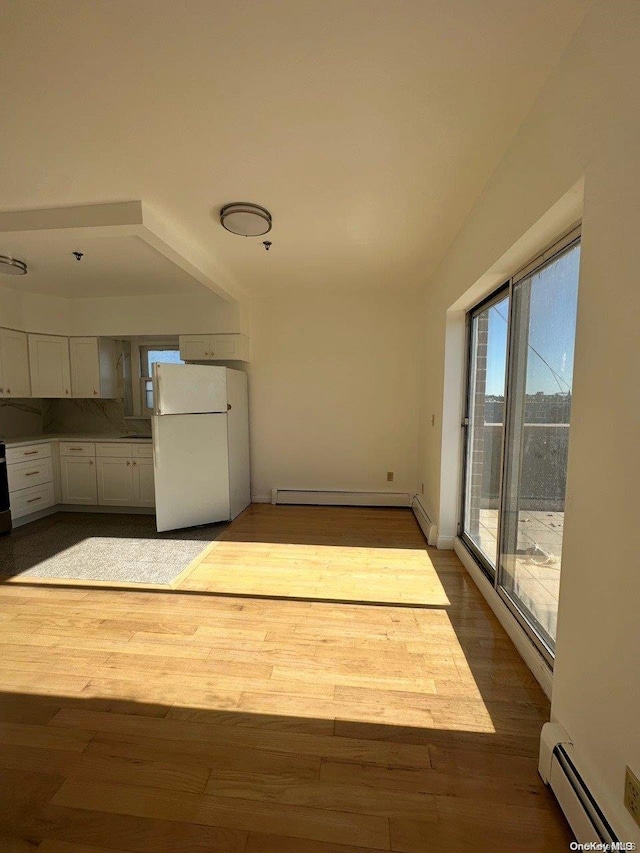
(632, 794)
(389, 476)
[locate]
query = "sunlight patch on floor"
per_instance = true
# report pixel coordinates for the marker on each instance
(395, 575)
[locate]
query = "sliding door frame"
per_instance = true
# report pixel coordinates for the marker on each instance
(493, 298)
(558, 247)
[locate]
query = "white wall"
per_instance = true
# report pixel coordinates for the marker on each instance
(586, 123)
(333, 391)
(37, 313)
(154, 315)
(334, 377)
(119, 316)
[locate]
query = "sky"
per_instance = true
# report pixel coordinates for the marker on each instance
(167, 356)
(552, 327)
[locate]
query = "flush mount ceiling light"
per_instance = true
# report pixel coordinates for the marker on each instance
(248, 220)
(9, 266)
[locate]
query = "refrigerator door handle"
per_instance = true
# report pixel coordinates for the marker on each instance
(156, 450)
(156, 390)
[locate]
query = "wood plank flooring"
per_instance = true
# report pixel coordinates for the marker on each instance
(185, 722)
(310, 553)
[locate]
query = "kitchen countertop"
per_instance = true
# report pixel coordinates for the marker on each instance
(41, 439)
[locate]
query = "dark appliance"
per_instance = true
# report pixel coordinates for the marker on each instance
(5, 512)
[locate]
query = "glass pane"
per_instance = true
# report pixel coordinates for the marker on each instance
(486, 427)
(542, 343)
(148, 393)
(168, 356)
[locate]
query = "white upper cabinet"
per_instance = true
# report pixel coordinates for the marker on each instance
(194, 347)
(14, 364)
(233, 347)
(50, 367)
(93, 367)
(229, 347)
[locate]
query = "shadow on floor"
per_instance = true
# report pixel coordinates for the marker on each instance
(344, 526)
(157, 778)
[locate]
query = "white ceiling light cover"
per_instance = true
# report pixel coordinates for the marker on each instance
(10, 266)
(248, 220)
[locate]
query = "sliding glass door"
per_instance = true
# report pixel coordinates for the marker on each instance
(518, 429)
(485, 423)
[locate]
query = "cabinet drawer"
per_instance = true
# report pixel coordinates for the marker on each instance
(22, 475)
(142, 451)
(119, 449)
(77, 448)
(28, 453)
(31, 500)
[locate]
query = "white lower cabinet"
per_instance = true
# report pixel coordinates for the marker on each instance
(22, 475)
(91, 474)
(26, 501)
(143, 486)
(125, 475)
(78, 480)
(115, 481)
(30, 474)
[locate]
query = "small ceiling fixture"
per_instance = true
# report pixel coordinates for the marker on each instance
(248, 220)
(10, 266)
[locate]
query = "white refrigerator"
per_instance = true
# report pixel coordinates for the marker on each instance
(200, 429)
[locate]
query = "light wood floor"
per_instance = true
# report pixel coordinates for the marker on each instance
(318, 552)
(184, 722)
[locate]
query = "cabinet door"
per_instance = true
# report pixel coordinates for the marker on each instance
(224, 346)
(195, 347)
(229, 347)
(115, 481)
(14, 358)
(78, 477)
(143, 487)
(50, 369)
(85, 367)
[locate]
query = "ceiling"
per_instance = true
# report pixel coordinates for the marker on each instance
(367, 127)
(110, 266)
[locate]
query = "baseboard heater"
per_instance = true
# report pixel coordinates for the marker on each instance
(558, 769)
(426, 524)
(337, 498)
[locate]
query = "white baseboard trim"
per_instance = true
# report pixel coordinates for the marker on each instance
(427, 526)
(93, 508)
(33, 516)
(528, 652)
(339, 498)
(445, 543)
